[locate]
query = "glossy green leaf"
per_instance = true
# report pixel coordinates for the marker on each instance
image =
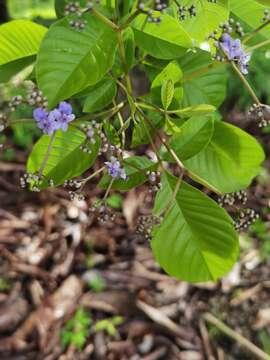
(208, 17)
(167, 40)
(196, 241)
(142, 129)
(171, 72)
(14, 67)
(165, 81)
(136, 168)
(19, 43)
(230, 161)
(251, 12)
(196, 110)
(129, 46)
(100, 95)
(70, 60)
(195, 134)
(167, 92)
(65, 160)
(203, 82)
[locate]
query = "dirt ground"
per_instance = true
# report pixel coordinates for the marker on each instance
(51, 248)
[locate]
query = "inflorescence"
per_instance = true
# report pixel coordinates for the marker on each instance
(232, 50)
(245, 218)
(156, 6)
(56, 119)
(261, 113)
(146, 224)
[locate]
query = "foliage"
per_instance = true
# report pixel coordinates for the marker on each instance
(77, 329)
(97, 284)
(109, 325)
(89, 57)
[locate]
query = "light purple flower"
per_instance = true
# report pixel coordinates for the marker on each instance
(40, 114)
(63, 115)
(232, 48)
(235, 52)
(243, 63)
(43, 121)
(58, 118)
(115, 170)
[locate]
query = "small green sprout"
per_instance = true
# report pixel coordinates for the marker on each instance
(77, 329)
(109, 325)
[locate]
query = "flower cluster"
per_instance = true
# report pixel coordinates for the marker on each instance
(184, 11)
(115, 170)
(146, 224)
(157, 5)
(266, 16)
(233, 51)
(232, 198)
(261, 113)
(154, 180)
(245, 218)
(58, 118)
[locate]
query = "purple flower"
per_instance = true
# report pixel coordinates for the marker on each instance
(63, 115)
(232, 48)
(115, 170)
(40, 114)
(243, 63)
(235, 52)
(43, 121)
(58, 118)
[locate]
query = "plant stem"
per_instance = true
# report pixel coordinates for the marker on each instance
(104, 19)
(93, 175)
(123, 59)
(246, 84)
(236, 336)
(164, 142)
(105, 113)
(46, 157)
(130, 19)
(153, 144)
(108, 189)
(255, 32)
(259, 45)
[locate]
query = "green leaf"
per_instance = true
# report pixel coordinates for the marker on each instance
(172, 73)
(203, 82)
(19, 42)
(209, 16)
(65, 160)
(196, 110)
(229, 162)
(196, 241)
(70, 60)
(251, 12)
(14, 67)
(142, 129)
(99, 95)
(167, 40)
(167, 92)
(136, 168)
(194, 135)
(129, 45)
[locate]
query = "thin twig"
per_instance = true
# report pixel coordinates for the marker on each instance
(236, 336)
(256, 31)
(246, 84)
